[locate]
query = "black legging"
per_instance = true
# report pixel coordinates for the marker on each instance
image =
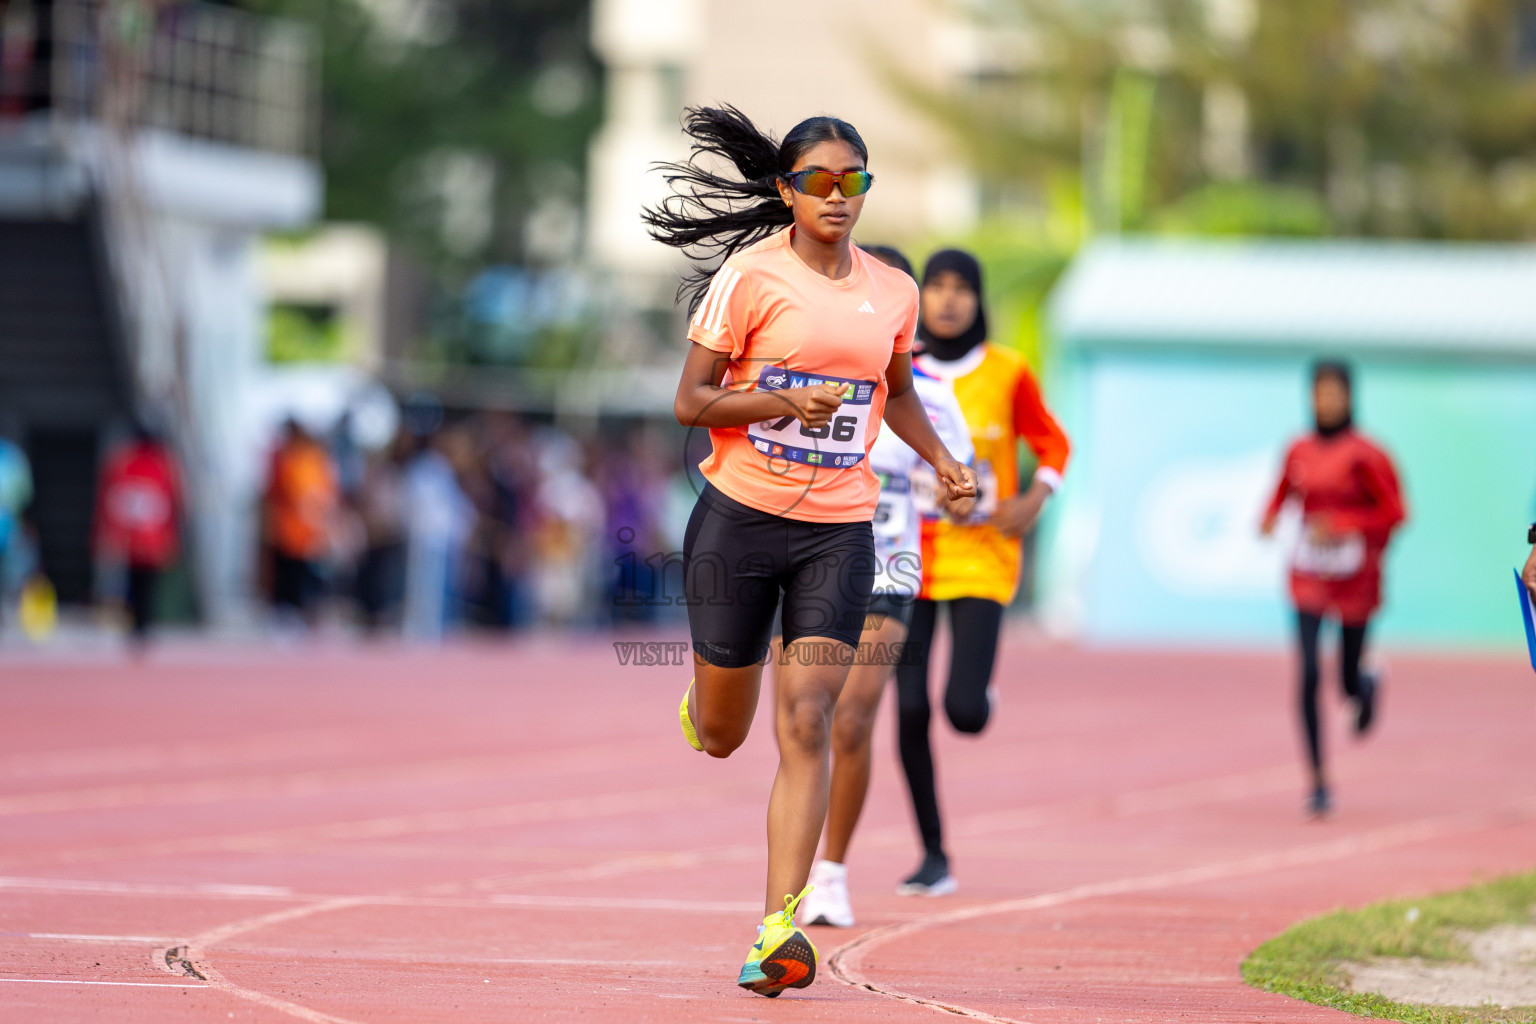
(1351, 646)
(141, 599)
(974, 626)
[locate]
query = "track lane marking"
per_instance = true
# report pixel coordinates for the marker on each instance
(122, 984)
(96, 939)
(1238, 785)
(302, 783)
(215, 889)
(1157, 798)
(663, 798)
(846, 961)
(193, 953)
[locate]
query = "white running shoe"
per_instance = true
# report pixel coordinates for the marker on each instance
(827, 903)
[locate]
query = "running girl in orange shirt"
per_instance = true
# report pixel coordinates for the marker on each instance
(801, 343)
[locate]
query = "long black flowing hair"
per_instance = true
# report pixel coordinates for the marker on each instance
(710, 216)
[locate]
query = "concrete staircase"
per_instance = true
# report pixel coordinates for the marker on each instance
(62, 381)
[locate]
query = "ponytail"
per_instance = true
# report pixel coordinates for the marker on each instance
(710, 216)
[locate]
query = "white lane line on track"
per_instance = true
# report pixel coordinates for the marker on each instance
(57, 886)
(182, 755)
(230, 753)
(356, 957)
(288, 785)
(428, 822)
(192, 952)
(102, 939)
(1237, 786)
(1160, 798)
(310, 901)
(845, 962)
(121, 984)
(218, 981)
(1163, 797)
(621, 903)
(213, 936)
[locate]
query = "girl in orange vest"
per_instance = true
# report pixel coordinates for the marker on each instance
(970, 568)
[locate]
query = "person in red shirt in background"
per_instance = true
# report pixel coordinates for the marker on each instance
(1350, 504)
(138, 509)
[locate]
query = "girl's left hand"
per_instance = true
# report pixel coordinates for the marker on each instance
(959, 509)
(958, 479)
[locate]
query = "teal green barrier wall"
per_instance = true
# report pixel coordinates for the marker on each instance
(1154, 537)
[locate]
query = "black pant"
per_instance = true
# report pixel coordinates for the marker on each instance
(974, 625)
(380, 582)
(1351, 646)
(141, 598)
(295, 582)
(737, 560)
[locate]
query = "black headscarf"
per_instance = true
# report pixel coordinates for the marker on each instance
(964, 264)
(1339, 371)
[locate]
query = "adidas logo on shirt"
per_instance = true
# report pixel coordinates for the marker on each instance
(866, 308)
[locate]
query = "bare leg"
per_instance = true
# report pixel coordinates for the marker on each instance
(804, 695)
(722, 703)
(852, 725)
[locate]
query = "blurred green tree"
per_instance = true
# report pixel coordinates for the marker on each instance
(1403, 118)
(458, 126)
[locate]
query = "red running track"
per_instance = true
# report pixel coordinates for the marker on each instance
(519, 833)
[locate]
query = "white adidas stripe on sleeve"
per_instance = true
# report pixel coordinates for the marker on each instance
(723, 305)
(704, 303)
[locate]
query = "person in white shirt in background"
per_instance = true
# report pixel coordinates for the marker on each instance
(908, 492)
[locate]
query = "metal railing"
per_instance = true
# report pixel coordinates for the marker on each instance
(193, 69)
(98, 74)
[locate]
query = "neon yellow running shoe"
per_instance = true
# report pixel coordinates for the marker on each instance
(682, 713)
(782, 957)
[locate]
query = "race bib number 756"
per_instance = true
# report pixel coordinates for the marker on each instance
(836, 444)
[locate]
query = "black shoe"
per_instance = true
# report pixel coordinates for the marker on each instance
(1370, 686)
(932, 879)
(1321, 803)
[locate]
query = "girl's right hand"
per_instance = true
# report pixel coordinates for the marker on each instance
(815, 405)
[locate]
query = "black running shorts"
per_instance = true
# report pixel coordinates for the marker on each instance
(886, 604)
(737, 560)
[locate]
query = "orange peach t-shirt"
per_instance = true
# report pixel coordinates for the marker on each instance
(783, 325)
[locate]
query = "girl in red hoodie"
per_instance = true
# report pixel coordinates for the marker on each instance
(1350, 504)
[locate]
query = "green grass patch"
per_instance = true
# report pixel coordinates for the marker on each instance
(1304, 961)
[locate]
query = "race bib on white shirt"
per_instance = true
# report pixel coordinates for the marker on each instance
(893, 509)
(1334, 559)
(938, 397)
(837, 444)
(897, 530)
(898, 535)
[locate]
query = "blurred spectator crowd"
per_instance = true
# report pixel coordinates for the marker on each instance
(489, 522)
